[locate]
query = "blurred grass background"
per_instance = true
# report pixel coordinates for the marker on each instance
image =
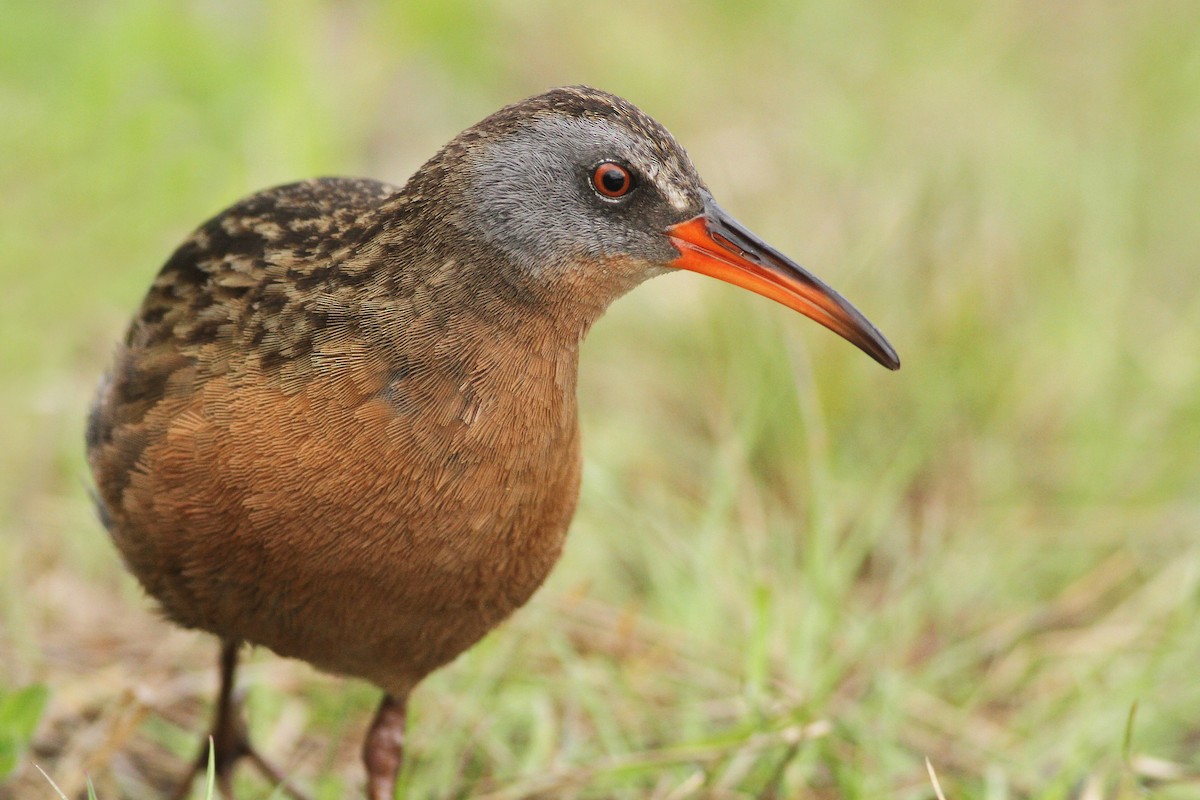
(793, 574)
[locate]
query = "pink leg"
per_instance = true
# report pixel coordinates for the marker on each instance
(383, 749)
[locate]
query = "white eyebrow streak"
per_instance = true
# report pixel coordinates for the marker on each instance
(660, 176)
(676, 198)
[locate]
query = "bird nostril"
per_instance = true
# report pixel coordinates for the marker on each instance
(730, 245)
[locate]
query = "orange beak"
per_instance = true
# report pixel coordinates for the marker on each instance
(716, 244)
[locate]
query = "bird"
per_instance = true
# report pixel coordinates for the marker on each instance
(343, 423)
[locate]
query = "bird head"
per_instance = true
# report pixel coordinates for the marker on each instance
(580, 190)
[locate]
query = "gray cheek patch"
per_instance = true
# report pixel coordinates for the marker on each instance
(527, 186)
(524, 194)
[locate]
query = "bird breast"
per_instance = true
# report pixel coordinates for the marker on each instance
(375, 519)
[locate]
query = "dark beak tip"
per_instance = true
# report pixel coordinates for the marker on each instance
(881, 350)
(888, 358)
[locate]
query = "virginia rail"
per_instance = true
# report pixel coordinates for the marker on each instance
(343, 423)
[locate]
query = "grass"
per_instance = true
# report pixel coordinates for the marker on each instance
(792, 573)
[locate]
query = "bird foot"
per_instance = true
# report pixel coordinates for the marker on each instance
(229, 742)
(224, 757)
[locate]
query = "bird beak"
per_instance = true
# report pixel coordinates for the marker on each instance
(716, 244)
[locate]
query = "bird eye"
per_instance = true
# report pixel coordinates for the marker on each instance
(612, 179)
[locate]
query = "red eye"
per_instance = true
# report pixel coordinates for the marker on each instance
(612, 180)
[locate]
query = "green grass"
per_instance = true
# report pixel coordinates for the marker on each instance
(20, 712)
(792, 573)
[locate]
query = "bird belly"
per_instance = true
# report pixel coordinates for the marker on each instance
(366, 544)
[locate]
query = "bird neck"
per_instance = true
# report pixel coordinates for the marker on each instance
(478, 289)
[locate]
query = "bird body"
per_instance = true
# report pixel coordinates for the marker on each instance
(287, 503)
(343, 423)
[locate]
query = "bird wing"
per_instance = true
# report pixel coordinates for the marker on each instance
(218, 283)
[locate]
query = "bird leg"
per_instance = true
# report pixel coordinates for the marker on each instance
(230, 741)
(383, 749)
